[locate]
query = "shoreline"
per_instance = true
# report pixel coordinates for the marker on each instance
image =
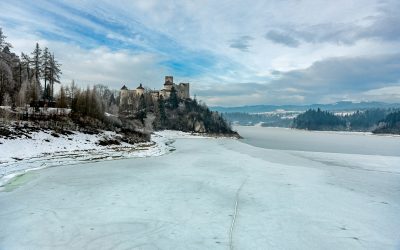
(15, 166)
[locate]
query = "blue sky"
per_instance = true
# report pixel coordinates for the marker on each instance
(232, 52)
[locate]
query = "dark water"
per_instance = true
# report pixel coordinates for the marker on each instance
(316, 141)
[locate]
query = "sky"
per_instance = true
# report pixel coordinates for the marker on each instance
(232, 52)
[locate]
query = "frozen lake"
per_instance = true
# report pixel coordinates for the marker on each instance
(211, 194)
(318, 141)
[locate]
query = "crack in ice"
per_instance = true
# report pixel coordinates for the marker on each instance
(235, 214)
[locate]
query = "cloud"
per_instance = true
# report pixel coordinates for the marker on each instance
(381, 25)
(242, 43)
(345, 74)
(282, 38)
(329, 80)
(385, 94)
(331, 50)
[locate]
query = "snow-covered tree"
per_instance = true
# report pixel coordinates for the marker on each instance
(3, 42)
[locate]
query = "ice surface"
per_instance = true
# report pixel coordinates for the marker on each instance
(187, 199)
(321, 141)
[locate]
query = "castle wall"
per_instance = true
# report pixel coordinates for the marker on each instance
(127, 96)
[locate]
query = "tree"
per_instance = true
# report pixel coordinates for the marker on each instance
(55, 73)
(173, 98)
(25, 63)
(161, 109)
(3, 42)
(62, 99)
(36, 63)
(6, 79)
(45, 71)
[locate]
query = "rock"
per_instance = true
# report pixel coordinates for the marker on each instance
(199, 127)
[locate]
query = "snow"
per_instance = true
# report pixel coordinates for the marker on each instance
(208, 194)
(42, 110)
(20, 155)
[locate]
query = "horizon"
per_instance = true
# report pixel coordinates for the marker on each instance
(232, 53)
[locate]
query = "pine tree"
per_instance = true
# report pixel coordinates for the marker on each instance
(62, 99)
(5, 79)
(25, 63)
(173, 98)
(37, 64)
(45, 71)
(161, 108)
(55, 73)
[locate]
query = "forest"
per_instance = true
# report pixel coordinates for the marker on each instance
(373, 120)
(21, 76)
(377, 120)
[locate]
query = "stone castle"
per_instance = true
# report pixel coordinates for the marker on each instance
(127, 96)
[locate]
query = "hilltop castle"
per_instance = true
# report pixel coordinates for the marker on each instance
(128, 96)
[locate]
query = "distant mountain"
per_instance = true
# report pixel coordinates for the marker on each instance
(339, 106)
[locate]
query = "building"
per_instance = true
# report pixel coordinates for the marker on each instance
(127, 96)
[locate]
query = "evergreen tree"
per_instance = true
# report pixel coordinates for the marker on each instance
(55, 72)
(6, 77)
(173, 98)
(45, 71)
(37, 64)
(161, 108)
(25, 63)
(62, 99)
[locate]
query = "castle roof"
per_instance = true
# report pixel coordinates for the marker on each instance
(140, 87)
(124, 88)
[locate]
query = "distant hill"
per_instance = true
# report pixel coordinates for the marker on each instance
(339, 106)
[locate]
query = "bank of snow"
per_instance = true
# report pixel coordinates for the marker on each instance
(45, 150)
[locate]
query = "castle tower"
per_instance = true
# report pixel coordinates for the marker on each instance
(124, 96)
(169, 82)
(183, 90)
(140, 90)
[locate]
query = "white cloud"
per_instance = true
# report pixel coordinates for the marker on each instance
(231, 34)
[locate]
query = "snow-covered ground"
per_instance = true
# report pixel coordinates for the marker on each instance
(208, 194)
(44, 150)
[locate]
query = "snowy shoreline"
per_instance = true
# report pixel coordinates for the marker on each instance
(42, 150)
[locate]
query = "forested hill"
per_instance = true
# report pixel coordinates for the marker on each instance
(374, 120)
(318, 120)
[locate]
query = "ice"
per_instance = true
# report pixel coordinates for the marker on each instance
(188, 198)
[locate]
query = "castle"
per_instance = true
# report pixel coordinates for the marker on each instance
(127, 96)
